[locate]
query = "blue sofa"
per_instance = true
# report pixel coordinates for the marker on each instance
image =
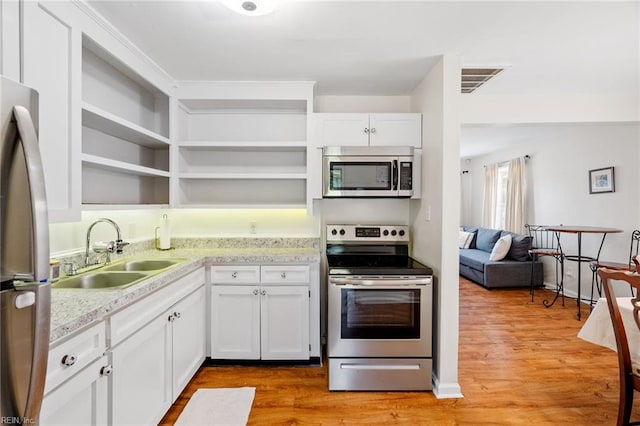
(512, 271)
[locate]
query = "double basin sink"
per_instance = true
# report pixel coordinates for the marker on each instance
(118, 275)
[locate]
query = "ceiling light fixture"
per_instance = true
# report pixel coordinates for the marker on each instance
(252, 7)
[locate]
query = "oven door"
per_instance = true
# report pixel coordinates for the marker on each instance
(360, 176)
(379, 317)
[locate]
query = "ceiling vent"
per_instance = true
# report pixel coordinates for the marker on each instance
(472, 78)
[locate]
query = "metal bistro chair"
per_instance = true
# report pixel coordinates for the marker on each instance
(629, 372)
(616, 266)
(547, 243)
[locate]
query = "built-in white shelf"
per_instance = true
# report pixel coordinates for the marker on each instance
(241, 145)
(125, 134)
(122, 167)
(111, 124)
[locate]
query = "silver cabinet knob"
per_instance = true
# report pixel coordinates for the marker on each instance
(372, 130)
(283, 275)
(263, 292)
(234, 275)
(69, 360)
(255, 292)
(177, 315)
(106, 370)
(171, 318)
(366, 130)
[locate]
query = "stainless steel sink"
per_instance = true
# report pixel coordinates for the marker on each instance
(143, 265)
(101, 280)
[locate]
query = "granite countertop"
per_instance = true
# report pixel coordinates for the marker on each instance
(75, 309)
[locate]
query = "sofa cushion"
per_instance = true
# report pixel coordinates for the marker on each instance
(474, 231)
(501, 248)
(520, 245)
(486, 239)
(473, 258)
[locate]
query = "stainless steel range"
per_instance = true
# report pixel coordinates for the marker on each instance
(380, 310)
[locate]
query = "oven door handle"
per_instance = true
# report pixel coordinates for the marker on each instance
(376, 282)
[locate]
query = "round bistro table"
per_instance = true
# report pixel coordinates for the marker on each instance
(579, 230)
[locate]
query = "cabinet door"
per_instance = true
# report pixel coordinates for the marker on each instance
(188, 339)
(285, 322)
(51, 66)
(340, 129)
(82, 400)
(141, 387)
(235, 322)
(396, 130)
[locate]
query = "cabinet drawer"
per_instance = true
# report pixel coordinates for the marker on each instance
(131, 319)
(285, 274)
(240, 274)
(72, 355)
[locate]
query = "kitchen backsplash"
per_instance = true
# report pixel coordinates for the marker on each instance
(140, 247)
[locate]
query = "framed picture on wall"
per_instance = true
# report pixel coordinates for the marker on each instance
(601, 180)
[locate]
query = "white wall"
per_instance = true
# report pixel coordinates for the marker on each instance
(561, 157)
(434, 218)
(10, 39)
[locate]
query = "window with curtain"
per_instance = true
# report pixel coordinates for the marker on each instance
(505, 195)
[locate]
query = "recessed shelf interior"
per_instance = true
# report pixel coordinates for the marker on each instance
(114, 87)
(243, 159)
(104, 145)
(242, 192)
(101, 185)
(241, 121)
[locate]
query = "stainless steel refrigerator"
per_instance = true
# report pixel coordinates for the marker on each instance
(25, 295)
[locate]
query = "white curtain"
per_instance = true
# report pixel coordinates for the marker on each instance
(515, 214)
(490, 195)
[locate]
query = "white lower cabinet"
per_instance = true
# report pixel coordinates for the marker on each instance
(152, 367)
(141, 392)
(263, 319)
(81, 401)
(77, 381)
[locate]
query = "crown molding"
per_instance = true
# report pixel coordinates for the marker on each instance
(90, 12)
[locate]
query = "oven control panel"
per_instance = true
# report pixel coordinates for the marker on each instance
(367, 233)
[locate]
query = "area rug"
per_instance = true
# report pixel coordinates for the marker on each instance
(219, 407)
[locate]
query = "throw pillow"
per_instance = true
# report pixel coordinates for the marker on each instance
(486, 239)
(501, 248)
(520, 245)
(464, 239)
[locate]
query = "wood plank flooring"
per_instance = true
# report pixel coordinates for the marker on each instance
(519, 363)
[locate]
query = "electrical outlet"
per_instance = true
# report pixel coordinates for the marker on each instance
(252, 227)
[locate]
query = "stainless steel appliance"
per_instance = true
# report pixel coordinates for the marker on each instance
(379, 310)
(24, 258)
(367, 171)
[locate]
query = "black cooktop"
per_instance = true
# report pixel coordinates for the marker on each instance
(373, 260)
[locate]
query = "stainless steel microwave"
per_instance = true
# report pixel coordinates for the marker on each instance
(367, 171)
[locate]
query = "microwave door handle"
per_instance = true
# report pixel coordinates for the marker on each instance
(394, 173)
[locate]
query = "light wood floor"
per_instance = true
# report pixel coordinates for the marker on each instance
(519, 363)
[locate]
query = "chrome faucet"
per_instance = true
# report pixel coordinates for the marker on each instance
(104, 247)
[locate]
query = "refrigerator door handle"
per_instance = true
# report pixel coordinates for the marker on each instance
(35, 173)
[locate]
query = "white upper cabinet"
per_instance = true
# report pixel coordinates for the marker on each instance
(125, 134)
(348, 129)
(241, 146)
(49, 47)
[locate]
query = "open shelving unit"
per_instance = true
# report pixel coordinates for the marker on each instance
(125, 134)
(242, 153)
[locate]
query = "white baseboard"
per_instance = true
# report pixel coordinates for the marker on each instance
(446, 390)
